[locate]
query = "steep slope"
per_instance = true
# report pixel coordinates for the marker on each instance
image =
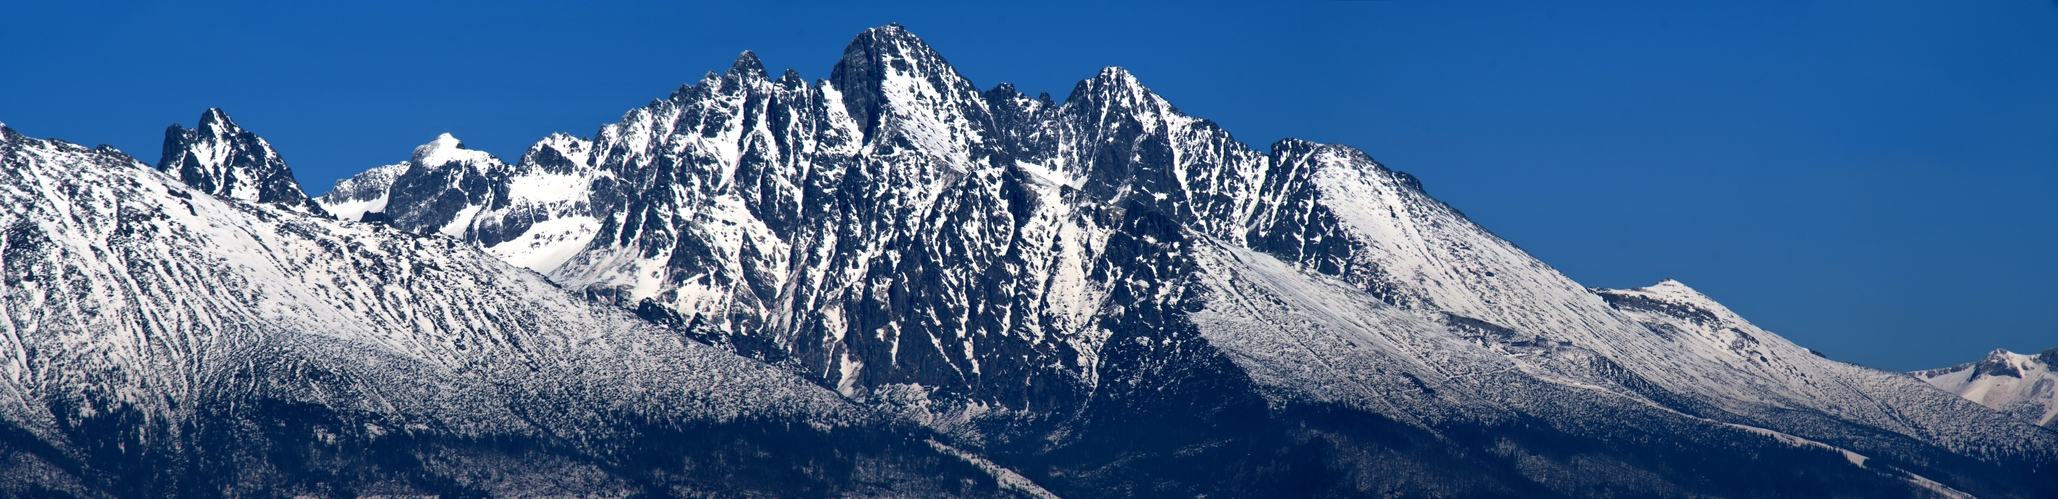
(1098, 291)
(544, 214)
(163, 341)
(222, 159)
(1816, 393)
(2022, 386)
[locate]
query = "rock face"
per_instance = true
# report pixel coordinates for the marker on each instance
(1100, 297)
(2023, 386)
(222, 159)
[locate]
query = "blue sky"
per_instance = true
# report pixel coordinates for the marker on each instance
(1873, 179)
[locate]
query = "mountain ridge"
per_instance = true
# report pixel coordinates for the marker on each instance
(976, 223)
(165, 341)
(1099, 297)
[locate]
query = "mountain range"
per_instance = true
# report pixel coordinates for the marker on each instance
(892, 283)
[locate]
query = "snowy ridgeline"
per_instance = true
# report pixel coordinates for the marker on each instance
(130, 288)
(893, 225)
(1088, 292)
(157, 329)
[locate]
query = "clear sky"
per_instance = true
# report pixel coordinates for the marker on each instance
(1874, 179)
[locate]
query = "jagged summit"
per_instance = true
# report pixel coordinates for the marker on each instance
(1113, 76)
(747, 63)
(444, 186)
(440, 187)
(887, 64)
(222, 159)
(1115, 89)
(534, 214)
(2002, 362)
(362, 197)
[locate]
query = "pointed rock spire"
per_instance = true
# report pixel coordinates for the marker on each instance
(883, 53)
(747, 71)
(747, 64)
(1115, 88)
(222, 159)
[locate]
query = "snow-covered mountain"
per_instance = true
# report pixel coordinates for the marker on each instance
(1040, 277)
(890, 274)
(164, 341)
(1011, 271)
(535, 214)
(2023, 386)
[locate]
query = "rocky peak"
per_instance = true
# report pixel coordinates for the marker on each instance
(887, 63)
(558, 153)
(444, 186)
(2002, 362)
(791, 79)
(1113, 86)
(222, 159)
(445, 150)
(748, 65)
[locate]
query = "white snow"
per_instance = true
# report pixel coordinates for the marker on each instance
(547, 244)
(147, 310)
(446, 149)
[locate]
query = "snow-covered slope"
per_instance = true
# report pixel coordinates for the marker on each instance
(1765, 380)
(544, 215)
(160, 340)
(2023, 386)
